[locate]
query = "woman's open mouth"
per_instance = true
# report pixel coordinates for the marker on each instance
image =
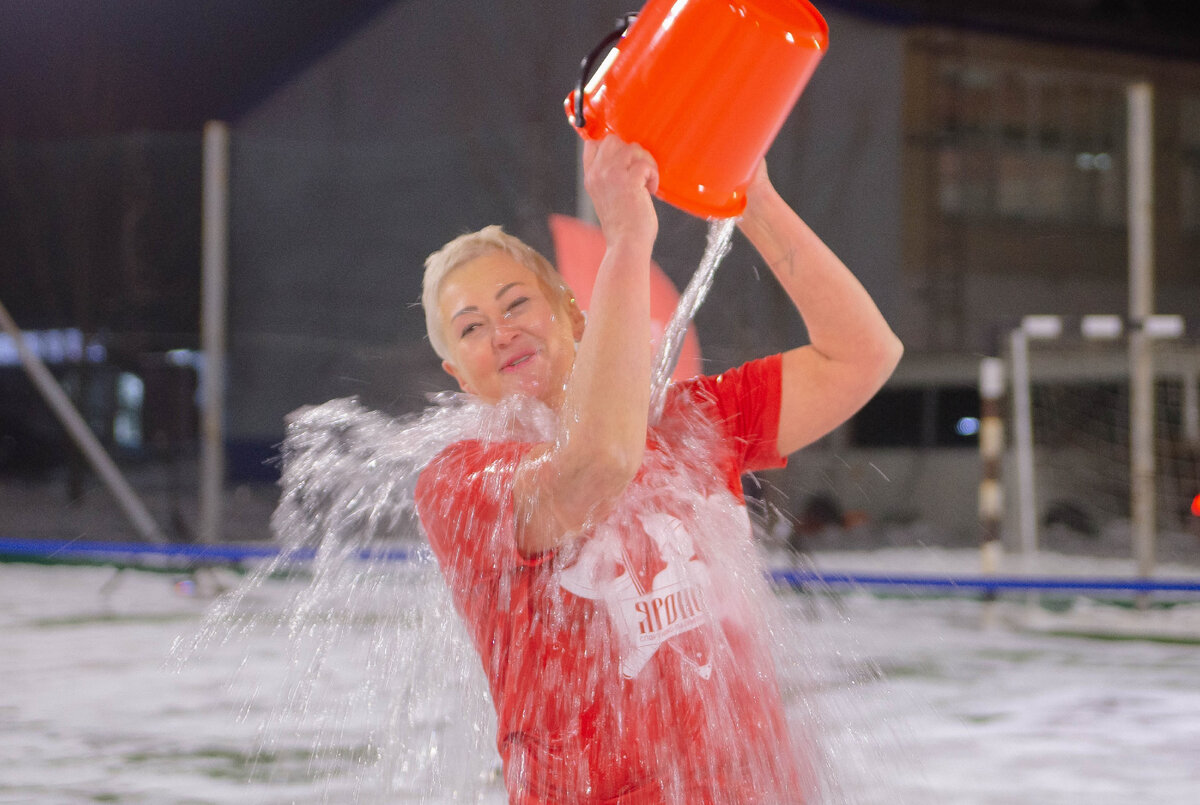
(517, 362)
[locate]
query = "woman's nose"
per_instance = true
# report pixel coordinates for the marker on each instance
(503, 333)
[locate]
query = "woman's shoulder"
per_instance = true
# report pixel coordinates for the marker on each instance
(733, 385)
(470, 463)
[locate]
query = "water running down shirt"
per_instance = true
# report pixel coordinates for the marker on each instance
(631, 666)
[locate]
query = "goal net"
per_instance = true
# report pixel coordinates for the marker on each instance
(1079, 424)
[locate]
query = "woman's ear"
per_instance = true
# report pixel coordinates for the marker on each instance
(577, 318)
(450, 370)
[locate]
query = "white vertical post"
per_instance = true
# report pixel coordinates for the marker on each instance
(1023, 445)
(1143, 499)
(214, 259)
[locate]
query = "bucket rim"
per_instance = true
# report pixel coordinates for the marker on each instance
(792, 12)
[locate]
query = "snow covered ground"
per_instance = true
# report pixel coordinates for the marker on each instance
(923, 700)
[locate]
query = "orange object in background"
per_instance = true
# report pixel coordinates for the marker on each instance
(1196, 505)
(704, 86)
(579, 248)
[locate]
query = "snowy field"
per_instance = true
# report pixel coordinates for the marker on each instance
(924, 700)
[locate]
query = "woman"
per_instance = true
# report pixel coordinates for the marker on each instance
(602, 564)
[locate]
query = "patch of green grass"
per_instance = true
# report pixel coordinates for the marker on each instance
(279, 767)
(111, 618)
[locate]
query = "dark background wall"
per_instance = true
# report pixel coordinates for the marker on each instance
(437, 119)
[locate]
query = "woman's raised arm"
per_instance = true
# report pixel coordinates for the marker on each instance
(602, 422)
(851, 350)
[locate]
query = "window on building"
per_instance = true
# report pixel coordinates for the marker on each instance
(946, 416)
(1029, 144)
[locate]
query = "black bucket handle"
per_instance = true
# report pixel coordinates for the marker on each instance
(585, 67)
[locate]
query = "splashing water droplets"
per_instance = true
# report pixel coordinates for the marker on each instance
(384, 688)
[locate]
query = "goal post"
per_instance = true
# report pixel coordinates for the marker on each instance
(1076, 416)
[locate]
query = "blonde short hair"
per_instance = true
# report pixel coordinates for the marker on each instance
(467, 247)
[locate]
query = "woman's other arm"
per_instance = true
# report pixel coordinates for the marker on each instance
(851, 350)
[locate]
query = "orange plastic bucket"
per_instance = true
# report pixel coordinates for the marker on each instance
(704, 86)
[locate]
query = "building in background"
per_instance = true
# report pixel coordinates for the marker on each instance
(969, 166)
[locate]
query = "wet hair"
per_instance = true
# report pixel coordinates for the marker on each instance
(466, 248)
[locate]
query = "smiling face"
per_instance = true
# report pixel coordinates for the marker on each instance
(505, 332)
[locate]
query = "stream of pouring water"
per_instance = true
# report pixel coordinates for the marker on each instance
(720, 238)
(383, 687)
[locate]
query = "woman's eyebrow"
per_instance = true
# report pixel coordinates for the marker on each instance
(474, 309)
(505, 288)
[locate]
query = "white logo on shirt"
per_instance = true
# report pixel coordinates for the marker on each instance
(646, 618)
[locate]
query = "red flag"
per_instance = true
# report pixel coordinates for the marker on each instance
(579, 248)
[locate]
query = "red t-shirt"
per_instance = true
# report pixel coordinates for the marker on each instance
(629, 666)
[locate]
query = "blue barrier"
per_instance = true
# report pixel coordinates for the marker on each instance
(802, 578)
(47, 550)
(80, 550)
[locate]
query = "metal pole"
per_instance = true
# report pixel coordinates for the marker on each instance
(584, 210)
(1141, 307)
(1023, 445)
(87, 442)
(1191, 408)
(991, 490)
(214, 258)
(991, 454)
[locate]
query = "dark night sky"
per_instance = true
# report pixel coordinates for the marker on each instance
(74, 67)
